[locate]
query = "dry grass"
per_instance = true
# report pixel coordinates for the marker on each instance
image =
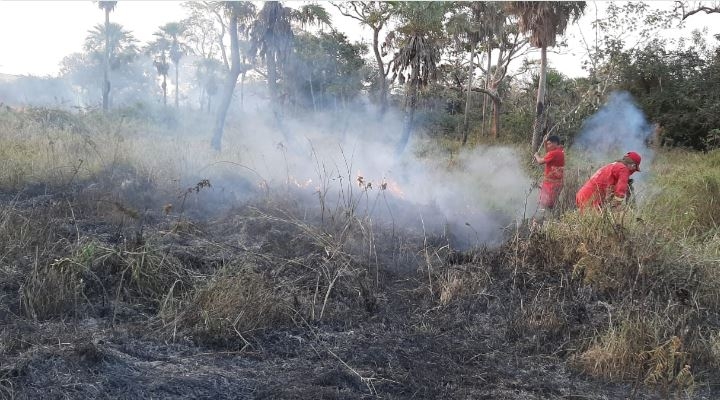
(634, 351)
(661, 291)
(685, 196)
(55, 290)
(232, 305)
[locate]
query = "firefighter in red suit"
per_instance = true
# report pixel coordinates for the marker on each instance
(608, 184)
(554, 162)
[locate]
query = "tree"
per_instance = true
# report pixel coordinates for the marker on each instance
(204, 31)
(158, 49)
(113, 47)
(623, 28)
(207, 26)
(107, 7)
(375, 15)
(117, 42)
(171, 35)
(688, 10)
(419, 37)
(327, 70)
(234, 10)
(543, 22)
(162, 67)
(208, 72)
(272, 37)
(510, 46)
(475, 22)
(128, 71)
(677, 89)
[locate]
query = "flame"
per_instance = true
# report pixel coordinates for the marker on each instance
(392, 187)
(386, 184)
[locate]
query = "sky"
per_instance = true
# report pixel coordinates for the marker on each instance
(36, 35)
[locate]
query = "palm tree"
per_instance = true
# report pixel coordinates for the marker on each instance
(159, 49)
(207, 71)
(172, 32)
(163, 68)
(419, 33)
(106, 6)
(111, 46)
(272, 37)
(543, 21)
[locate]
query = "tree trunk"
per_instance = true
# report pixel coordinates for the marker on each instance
(164, 88)
(242, 92)
(497, 105)
(540, 112)
(177, 87)
(410, 111)
(487, 77)
(496, 118)
(312, 93)
(381, 71)
(487, 86)
(106, 66)
(242, 88)
(467, 97)
(272, 78)
(229, 85)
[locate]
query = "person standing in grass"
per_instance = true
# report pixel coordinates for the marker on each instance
(554, 162)
(609, 184)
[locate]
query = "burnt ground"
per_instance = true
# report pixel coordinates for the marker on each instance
(387, 332)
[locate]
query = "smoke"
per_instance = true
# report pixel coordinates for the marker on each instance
(618, 127)
(37, 91)
(347, 160)
(339, 158)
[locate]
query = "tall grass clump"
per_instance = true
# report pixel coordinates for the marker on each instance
(685, 193)
(233, 304)
(659, 280)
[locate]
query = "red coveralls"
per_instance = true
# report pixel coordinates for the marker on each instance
(553, 182)
(612, 178)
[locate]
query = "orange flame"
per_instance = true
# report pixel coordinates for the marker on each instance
(392, 187)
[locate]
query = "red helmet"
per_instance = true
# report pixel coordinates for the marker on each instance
(635, 157)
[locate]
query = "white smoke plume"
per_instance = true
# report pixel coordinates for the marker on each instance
(346, 156)
(618, 127)
(471, 197)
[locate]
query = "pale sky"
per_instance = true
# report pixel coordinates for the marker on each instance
(36, 35)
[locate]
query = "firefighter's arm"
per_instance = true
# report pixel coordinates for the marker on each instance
(539, 159)
(621, 188)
